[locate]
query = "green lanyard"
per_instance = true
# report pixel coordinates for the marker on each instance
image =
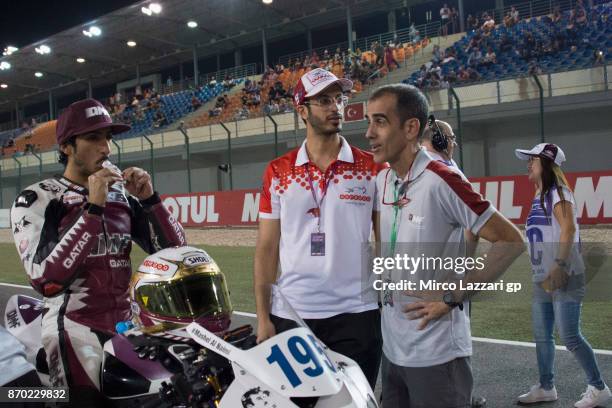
(396, 208)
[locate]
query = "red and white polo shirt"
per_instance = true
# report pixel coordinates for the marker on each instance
(323, 286)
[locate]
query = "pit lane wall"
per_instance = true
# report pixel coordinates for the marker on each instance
(512, 195)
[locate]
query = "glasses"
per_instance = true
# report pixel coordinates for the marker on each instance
(402, 198)
(327, 101)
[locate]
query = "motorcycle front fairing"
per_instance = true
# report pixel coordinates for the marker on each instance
(291, 369)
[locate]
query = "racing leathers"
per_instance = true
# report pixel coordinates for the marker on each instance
(77, 255)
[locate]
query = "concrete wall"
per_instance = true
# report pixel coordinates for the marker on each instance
(578, 118)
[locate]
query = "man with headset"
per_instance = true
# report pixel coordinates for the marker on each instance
(440, 141)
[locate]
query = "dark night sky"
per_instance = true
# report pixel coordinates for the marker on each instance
(23, 22)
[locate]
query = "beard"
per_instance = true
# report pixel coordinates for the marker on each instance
(322, 126)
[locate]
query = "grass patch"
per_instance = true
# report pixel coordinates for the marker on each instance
(501, 315)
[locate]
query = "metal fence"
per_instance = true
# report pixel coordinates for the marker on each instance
(537, 88)
(238, 72)
(535, 8)
(399, 36)
(454, 101)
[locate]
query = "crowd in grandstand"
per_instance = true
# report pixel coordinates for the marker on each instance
(528, 40)
(490, 50)
(272, 94)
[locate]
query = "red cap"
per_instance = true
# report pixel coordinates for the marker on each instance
(315, 81)
(83, 117)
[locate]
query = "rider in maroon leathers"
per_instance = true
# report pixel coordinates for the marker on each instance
(74, 236)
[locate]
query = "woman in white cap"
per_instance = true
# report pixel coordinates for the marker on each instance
(558, 276)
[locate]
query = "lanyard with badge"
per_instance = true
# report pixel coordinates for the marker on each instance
(398, 203)
(317, 239)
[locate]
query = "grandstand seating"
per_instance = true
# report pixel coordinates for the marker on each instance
(577, 52)
(289, 78)
(174, 107)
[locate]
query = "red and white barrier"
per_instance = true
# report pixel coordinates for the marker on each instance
(512, 195)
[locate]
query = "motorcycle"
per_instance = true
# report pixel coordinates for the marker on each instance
(193, 367)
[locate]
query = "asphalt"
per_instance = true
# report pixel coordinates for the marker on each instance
(501, 371)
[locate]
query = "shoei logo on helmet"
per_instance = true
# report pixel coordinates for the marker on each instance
(196, 260)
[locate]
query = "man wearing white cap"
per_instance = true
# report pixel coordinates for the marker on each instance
(316, 211)
(558, 277)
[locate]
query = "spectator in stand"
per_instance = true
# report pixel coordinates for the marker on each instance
(160, 120)
(514, 13)
(508, 21)
(449, 56)
(454, 20)
(475, 57)
(283, 106)
(463, 74)
(557, 16)
(580, 16)
(599, 57)
(489, 23)
(270, 108)
(195, 103)
(242, 113)
(534, 68)
(216, 111)
(169, 82)
(212, 83)
(437, 54)
(490, 58)
(473, 75)
(255, 99)
(445, 14)
(228, 82)
(389, 58)
(505, 44)
(471, 23)
(379, 51)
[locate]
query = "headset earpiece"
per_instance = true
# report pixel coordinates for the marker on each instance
(438, 140)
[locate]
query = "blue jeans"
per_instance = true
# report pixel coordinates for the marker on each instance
(566, 314)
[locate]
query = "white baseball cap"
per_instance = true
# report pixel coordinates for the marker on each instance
(315, 81)
(547, 150)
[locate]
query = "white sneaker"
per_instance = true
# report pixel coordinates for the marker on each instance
(538, 394)
(594, 397)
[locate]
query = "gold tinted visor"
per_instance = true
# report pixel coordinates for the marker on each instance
(202, 294)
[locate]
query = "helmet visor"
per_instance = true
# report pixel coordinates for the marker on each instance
(202, 294)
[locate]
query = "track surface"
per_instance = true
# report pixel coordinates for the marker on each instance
(501, 371)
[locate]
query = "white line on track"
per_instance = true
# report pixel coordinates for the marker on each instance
(528, 344)
(12, 285)
(480, 339)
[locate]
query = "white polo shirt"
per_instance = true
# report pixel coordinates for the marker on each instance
(322, 286)
(441, 204)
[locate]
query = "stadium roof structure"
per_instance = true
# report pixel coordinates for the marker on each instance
(163, 40)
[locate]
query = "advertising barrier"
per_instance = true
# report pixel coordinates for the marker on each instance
(512, 195)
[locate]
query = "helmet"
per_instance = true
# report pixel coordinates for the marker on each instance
(177, 286)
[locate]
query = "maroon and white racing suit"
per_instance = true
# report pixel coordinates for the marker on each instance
(77, 255)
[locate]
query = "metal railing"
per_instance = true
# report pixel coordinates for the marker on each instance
(399, 36)
(238, 72)
(476, 94)
(535, 8)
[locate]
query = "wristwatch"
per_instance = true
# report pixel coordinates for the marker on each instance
(562, 264)
(449, 300)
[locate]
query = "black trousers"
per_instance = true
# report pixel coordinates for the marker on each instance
(355, 335)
